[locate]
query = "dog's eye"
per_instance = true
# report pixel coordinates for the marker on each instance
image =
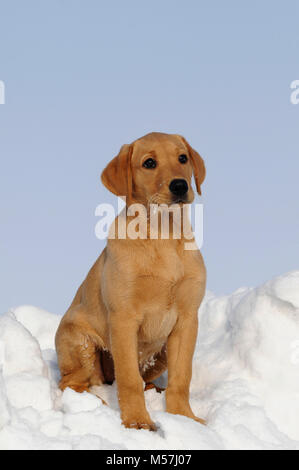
(183, 158)
(149, 163)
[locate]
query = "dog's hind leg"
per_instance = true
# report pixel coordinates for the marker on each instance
(78, 357)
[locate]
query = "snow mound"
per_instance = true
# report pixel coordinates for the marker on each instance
(245, 382)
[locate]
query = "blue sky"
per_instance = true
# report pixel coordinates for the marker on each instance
(83, 78)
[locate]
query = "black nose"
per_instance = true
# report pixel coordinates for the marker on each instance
(178, 187)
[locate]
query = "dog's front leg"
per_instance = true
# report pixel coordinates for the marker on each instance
(129, 382)
(180, 349)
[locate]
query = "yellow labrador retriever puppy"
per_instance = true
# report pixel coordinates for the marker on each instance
(135, 315)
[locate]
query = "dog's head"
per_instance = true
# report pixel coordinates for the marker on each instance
(155, 169)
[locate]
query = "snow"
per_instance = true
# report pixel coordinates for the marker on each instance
(245, 382)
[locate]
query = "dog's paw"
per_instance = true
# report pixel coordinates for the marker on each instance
(146, 423)
(188, 413)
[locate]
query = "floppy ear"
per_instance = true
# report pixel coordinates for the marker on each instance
(199, 169)
(117, 176)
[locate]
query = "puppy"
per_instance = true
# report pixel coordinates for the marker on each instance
(135, 315)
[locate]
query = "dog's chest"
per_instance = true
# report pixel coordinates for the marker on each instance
(162, 262)
(157, 324)
(158, 281)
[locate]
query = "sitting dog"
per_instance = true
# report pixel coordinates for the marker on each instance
(135, 315)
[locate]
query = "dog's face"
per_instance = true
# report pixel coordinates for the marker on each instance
(155, 169)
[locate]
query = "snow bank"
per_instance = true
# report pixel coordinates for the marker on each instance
(245, 382)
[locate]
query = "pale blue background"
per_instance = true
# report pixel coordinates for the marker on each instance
(84, 77)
